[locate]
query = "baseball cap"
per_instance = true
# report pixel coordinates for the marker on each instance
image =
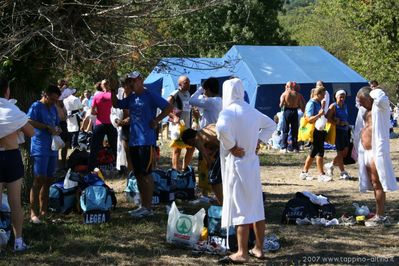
(134, 75)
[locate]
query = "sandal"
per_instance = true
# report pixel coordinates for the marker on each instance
(228, 260)
(252, 254)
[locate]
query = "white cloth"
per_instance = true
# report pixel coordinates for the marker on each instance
(380, 145)
(327, 99)
(242, 188)
(318, 200)
(116, 113)
(11, 118)
(211, 107)
(72, 104)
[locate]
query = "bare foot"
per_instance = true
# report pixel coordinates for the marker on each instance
(236, 257)
(256, 253)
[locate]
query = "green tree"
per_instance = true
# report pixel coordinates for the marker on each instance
(212, 31)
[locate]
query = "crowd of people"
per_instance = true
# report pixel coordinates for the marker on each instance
(129, 117)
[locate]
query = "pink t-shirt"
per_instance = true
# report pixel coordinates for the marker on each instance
(103, 103)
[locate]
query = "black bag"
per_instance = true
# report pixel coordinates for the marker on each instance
(183, 182)
(327, 211)
(62, 200)
(348, 158)
(299, 207)
(163, 189)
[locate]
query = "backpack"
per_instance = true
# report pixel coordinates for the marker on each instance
(163, 189)
(299, 207)
(183, 182)
(62, 200)
(97, 198)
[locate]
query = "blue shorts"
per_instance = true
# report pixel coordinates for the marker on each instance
(44, 165)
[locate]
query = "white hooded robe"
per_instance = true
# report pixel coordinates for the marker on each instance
(242, 125)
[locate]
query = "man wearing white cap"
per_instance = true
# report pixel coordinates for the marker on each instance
(338, 115)
(142, 105)
(73, 105)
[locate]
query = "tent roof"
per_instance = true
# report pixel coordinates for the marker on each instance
(303, 64)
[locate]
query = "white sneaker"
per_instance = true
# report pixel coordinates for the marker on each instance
(22, 247)
(144, 212)
(345, 176)
(305, 176)
(324, 178)
(377, 221)
(283, 151)
(329, 167)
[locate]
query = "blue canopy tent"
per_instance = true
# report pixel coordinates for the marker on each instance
(264, 71)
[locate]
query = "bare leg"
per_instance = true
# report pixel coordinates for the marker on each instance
(308, 163)
(319, 164)
(339, 159)
(242, 241)
(218, 190)
(259, 228)
(188, 157)
(146, 187)
(43, 196)
(14, 198)
(378, 190)
(34, 195)
(175, 158)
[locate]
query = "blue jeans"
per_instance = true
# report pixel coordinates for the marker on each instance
(97, 139)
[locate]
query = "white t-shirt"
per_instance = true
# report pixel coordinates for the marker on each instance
(211, 107)
(71, 104)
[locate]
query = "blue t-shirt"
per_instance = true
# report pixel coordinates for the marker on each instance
(41, 141)
(142, 110)
(312, 108)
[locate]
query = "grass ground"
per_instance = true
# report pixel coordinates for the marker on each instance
(124, 241)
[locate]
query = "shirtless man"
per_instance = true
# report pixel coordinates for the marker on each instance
(207, 143)
(290, 101)
(12, 122)
(375, 166)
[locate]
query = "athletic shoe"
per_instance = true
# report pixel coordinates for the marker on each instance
(345, 176)
(377, 221)
(303, 221)
(318, 221)
(21, 247)
(144, 212)
(329, 167)
(347, 221)
(324, 178)
(305, 176)
(283, 151)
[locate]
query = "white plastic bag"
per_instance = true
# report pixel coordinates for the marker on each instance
(184, 229)
(57, 143)
(361, 211)
(4, 206)
(69, 183)
(321, 123)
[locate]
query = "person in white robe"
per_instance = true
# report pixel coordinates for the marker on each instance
(239, 129)
(378, 159)
(118, 120)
